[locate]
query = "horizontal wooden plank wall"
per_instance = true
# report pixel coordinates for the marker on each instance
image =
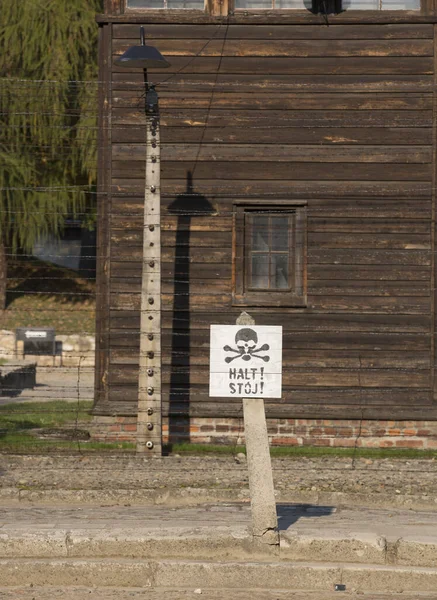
(340, 116)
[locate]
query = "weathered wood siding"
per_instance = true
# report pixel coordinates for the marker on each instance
(341, 116)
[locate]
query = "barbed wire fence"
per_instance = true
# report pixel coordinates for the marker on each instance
(70, 377)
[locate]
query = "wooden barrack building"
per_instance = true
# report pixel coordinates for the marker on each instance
(298, 183)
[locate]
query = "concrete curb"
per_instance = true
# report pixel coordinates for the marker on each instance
(219, 543)
(191, 496)
(223, 575)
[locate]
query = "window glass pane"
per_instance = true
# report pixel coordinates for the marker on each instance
(276, 4)
(269, 245)
(296, 4)
(185, 4)
(260, 233)
(253, 4)
(197, 4)
(260, 271)
(400, 4)
(360, 4)
(145, 4)
(347, 4)
(280, 229)
(381, 4)
(279, 266)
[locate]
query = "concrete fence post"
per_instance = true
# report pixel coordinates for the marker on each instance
(262, 493)
(19, 353)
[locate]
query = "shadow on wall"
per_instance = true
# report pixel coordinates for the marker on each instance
(185, 207)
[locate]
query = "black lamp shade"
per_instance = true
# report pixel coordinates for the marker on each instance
(141, 57)
(327, 7)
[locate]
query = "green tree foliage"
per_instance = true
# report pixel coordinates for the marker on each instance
(48, 116)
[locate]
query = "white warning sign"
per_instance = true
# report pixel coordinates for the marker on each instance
(245, 361)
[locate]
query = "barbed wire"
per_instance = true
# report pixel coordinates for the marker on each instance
(238, 121)
(139, 81)
(190, 390)
(404, 187)
(352, 84)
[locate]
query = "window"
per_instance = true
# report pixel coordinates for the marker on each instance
(170, 4)
(346, 4)
(277, 4)
(269, 4)
(381, 4)
(269, 255)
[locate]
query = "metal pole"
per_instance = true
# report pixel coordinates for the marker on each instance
(149, 438)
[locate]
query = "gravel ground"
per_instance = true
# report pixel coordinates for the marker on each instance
(294, 477)
(82, 593)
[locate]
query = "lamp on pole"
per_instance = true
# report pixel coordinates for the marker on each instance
(149, 435)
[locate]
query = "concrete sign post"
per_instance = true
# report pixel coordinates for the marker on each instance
(259, 466)
(246, 362)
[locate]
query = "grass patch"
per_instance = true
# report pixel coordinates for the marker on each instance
(17, 421)
(40, 294)
(24, 416)
(27, 444)
(304, 451)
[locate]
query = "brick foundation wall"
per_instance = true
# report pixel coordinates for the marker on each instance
(282, 432)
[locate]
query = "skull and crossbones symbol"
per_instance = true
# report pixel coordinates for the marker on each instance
(246, 341)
